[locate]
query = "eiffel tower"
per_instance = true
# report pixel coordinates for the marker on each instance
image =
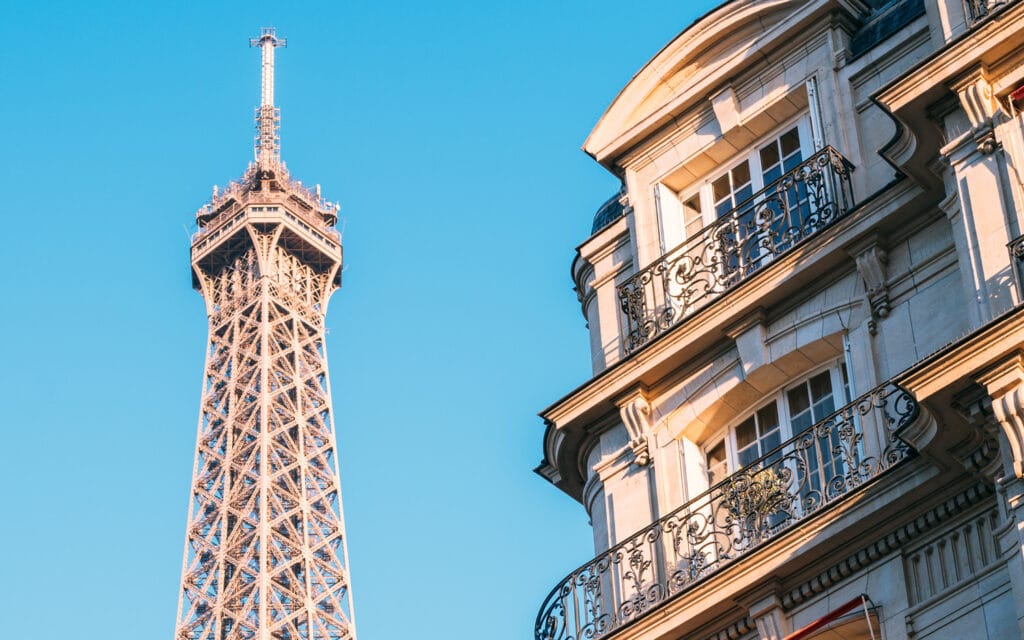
(265, 555)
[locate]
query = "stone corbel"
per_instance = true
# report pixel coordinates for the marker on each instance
(726, 106)
(765, 607)
(871, 261)
(635, 411)
(980, 105)
(979, 453)
(1005, 385)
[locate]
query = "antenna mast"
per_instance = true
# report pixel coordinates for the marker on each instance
(268, 117)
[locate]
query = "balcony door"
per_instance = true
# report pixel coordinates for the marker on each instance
(755, 218)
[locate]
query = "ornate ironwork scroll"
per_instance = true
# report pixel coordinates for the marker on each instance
(806, 474)
(802, 202)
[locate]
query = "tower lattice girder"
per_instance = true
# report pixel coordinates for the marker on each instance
(265, 554)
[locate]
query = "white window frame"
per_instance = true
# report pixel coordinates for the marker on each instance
(702, 186)
(780, 397)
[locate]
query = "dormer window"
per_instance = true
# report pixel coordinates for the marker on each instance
(786, 414)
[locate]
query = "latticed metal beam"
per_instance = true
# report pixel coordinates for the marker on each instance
(265, 555)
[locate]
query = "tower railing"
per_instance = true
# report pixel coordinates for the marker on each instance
(809, 198)
(315, 210)
(799, 479)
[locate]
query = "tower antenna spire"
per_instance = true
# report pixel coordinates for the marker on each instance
(268, 117)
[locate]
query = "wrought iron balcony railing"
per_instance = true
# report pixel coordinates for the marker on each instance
(800, 478)
(796, 206)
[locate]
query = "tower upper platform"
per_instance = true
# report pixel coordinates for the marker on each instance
(266, 194)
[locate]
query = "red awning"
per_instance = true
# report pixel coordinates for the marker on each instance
(860, 601)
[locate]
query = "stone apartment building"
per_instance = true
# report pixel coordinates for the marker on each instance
(806, 418)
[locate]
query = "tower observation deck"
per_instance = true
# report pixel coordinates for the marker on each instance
(265, 555)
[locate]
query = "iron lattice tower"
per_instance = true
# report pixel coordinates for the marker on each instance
(265, 555)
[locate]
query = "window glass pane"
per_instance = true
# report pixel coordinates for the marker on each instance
(771, 441)
(748, 455)
(791, 162)
(692, 219)
(790, 142)
(716, 464)
(773, 174)
(769, 155)
(746, 433)
(824, 408)
(821, 386)
(798, 401)
(740, 175)
(716, 455)
(720, 188)
(767, 418)
(743, 194)
(691, 207)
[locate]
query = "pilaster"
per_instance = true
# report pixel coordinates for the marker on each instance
(976, 159)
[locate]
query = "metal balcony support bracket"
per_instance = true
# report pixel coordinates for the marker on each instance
(808, 199)
(805, 475)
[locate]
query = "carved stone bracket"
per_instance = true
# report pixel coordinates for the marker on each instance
(871, 261)
(980, 105)
(636, 416)
(979, 453)
(765, 608)
(1005, 385)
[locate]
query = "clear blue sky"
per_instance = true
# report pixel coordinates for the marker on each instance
(450, 133)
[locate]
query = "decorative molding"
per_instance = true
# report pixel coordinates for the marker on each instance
(920, 433)
(635, 411)
(727, 109)
(930, 569)
(1005, 384)
(979, 103)
(735, 631)
(979, 453)
(887, 545)
(765, 608)
(871, 261)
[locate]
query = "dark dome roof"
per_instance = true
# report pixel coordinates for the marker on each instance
(609, 212)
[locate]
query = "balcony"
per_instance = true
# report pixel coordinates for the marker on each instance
(802, 477)
(808, 199)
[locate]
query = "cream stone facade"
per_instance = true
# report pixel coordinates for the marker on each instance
(806, 418)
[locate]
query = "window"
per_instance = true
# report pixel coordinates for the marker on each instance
(788, 413)
(721, 193)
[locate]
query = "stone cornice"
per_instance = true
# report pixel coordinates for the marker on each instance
(910, 97)
(619, 129)
(960, 363)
